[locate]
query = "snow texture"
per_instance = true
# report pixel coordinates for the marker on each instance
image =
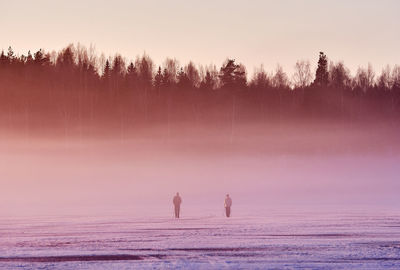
(314, 240)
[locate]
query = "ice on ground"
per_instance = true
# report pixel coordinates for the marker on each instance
(287, 240)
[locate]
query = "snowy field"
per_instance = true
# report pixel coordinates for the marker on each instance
(274, 240)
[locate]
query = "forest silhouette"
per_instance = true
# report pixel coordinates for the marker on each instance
(77, 89)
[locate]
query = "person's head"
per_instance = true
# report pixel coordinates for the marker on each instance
(177, 194)
(227, 195)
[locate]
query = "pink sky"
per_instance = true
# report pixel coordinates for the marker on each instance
(254, 32)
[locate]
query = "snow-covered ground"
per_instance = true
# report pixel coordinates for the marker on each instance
(274, 240)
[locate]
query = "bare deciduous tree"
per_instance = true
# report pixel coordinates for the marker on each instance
(280, 78)
(302, 76)
(364, 78)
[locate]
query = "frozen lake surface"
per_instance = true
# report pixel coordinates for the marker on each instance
(285, 240)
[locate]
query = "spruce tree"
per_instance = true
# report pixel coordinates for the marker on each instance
(322, 75)
(106, 71)
(131, 76)
(106, 75)
(183, 79)
(158, 79)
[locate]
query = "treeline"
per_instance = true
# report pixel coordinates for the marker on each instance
(76, 87)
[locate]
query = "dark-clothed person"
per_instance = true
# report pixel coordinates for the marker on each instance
(177, 204)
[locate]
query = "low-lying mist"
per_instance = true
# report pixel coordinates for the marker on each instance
(262, 166)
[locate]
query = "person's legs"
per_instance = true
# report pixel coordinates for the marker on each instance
(177, 208)
(228, 211)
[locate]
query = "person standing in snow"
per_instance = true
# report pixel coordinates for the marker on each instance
(177, 203)
(227, 205)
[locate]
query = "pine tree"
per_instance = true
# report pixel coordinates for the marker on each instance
(38, 57)
(227, 73)
(233, 75)
(240, 76)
